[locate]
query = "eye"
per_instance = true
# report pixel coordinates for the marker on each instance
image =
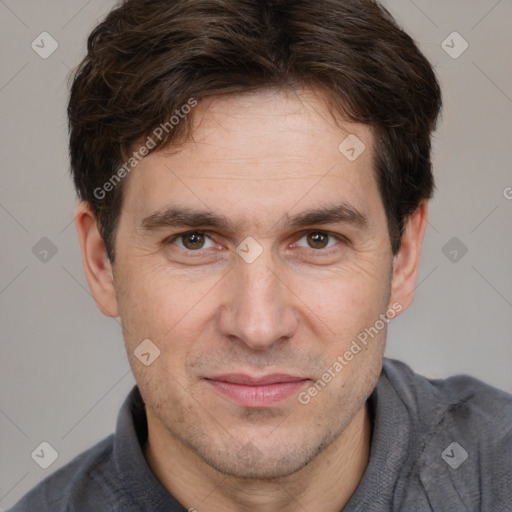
(317, 240)
(192, 241)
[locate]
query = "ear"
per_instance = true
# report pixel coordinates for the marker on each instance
(407, 261)
(97, 266)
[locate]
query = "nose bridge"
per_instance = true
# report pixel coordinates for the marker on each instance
(259, 311)
(260, 282)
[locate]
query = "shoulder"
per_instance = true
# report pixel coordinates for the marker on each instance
(87, 482)
(461, 447)
(462, 399)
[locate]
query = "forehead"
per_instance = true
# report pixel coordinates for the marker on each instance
(259, 152)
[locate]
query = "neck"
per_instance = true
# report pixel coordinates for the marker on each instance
(326, 483)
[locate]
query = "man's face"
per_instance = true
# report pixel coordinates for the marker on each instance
(270, 292)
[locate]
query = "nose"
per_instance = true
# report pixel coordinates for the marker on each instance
(258, 309)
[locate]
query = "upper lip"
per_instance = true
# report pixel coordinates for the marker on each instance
(248, 380)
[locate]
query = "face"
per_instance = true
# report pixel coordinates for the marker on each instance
(253, 257)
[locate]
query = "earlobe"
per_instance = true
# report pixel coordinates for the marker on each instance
(406, 262)
(97, 267)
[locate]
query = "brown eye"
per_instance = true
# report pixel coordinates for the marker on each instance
(192, 241)
(318, 240)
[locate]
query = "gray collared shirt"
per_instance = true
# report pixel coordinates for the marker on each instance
(437, 445)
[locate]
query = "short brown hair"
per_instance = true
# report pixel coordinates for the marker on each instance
(148, 58)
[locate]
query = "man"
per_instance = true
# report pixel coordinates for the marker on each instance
(254, 180)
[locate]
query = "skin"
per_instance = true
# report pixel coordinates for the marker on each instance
(257, 159)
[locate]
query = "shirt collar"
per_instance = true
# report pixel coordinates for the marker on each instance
(393, 424)
(139, 481)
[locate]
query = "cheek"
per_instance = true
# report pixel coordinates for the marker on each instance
(148, 303)
(169, 309)
(345, 298)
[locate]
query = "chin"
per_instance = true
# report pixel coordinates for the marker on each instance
(264, 468)
(252, 462)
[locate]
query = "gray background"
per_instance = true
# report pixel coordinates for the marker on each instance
(63, 369)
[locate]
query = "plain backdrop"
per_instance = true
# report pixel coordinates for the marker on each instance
(63, 368)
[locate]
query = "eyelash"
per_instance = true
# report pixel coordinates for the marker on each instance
(339, 238)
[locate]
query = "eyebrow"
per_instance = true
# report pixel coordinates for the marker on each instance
(184, 217)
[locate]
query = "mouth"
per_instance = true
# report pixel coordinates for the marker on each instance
(249, 391)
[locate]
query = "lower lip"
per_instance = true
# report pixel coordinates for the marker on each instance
(257, 396)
